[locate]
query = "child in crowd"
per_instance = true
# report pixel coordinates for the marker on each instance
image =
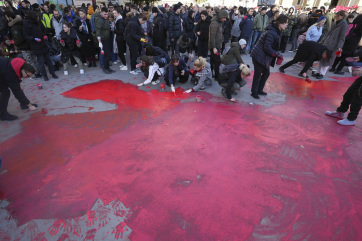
(151, 70)
(203, 75)
(176, 69)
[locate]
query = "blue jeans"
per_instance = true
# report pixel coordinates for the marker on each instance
(294, 38)
(249, 40)
(256, 36)
(354, 64)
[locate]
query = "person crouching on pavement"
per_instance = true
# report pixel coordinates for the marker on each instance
(177, 69)
(202, 75)
(151, 70)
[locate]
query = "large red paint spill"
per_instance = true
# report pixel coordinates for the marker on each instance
(195, 171)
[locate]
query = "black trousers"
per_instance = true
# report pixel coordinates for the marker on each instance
(133, 51)
(340, 62)
(203, 48)
(215, 62)
(121, 45)
(182, 78)
(283, 43)
(107, 52)
(261, 74)
(4, 97)
(42, 59)
(352, 100)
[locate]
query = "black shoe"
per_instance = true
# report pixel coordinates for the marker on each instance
(234, 93)
(261, 93)
(339, 72)
(94, 64)
(56, 67)
(8, 117)
(37, 76)
(55, 76)
(319, 76)
(332, 70)
(255, 96)
(281, 70)
(25, 107)
(107, 71)
(223, 92)
(90, 65)
(112, 71)
(46, 78)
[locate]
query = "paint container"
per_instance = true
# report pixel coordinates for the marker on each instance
(339, 53)
(308, 80)
(279, 61)
(40, 86)
(162, 86)
(198, 98)
(44, 111)
(102, 52)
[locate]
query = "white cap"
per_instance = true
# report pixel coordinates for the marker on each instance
(242, 41)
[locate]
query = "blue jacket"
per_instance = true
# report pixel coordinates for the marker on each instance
(246, 26)
(174, 26)
(267, 48)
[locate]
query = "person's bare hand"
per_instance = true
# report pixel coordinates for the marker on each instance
(31, 107)
(182, 72)
(215, 51)
(356, 59)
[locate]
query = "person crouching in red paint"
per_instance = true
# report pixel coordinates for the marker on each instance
(352, 99)
(11, 73)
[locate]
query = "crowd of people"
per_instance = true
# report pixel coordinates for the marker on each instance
(179, 43)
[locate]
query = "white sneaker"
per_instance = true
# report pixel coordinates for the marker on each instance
(123, 67)
(335, 114)
(65, 72)
(81, 71)
(115, 62)
(138, 71)
(75, 66)
(346, 122)
(118, 61)
(155, 82)
(85, 64)
(133, 72)
(350, 69)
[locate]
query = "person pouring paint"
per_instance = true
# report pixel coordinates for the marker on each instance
(12, 71)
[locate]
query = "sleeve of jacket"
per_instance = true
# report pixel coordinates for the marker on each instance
(12, 81)
(255, 23)
(342, 35)
(170, 27)
(27, 32)
(230, 84)
(120, 27)
(99, 26)
(177, 48)
(238, 56)
(134, 32)
(310, 34)
(268, 45)
(212, 29)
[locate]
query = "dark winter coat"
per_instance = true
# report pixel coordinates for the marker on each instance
(10, 70)
(70, 47)
(158, 31)
(189, 29)
(233, 55)
(32, 30)
(353, 37)
(203, 28)
(267, 48)
(103, 28)
(119, 28)
(246, 26)
(134, 31)
(227, 26)
(182, 48)
(17, 32)
(215, 30)
(174, 26)
(88, 47)
(234, 76)
(72, 19)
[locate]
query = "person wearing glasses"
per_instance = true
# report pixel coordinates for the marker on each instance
(12, 71)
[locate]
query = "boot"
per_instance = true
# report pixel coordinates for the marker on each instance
(90, 64)
(94, 64)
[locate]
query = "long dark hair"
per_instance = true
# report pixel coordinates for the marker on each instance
(174, 58)
(33, 16)
(148, 48)
(148, 60)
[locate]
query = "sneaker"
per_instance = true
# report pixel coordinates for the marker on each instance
(281, 70)
(25, 107)
(262, 93)
(138, 71)
(75, 66)
(55, 76)
(295, 50)
(300, 75)
(65, 72)
(223, 92)
(46, 78)
(133, 72)
(331, 70)
(335, 114)
(255, 96)
(85, 64)
(350, 69)
(112, 71)
(118, 61)
(339, 72)
(346, 122)
(8, 117)
(124, 67)
(155, 82)
(81, 71)
(202, 87)
(38, 76)
(106, 71)
(291, 51)
(319, 76)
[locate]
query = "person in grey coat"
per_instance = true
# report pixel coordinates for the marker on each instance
(334, 41)
(235, 31)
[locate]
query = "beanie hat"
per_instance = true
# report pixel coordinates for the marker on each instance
(175, 7)
(166, 5)
(321, 18)
(242, 41)
(154, 10)
(264, 8)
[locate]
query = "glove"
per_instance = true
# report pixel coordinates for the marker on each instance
(188, 91)
(143, 40)
(163, 60)
(45, 37)
(38, 40)
(12, 42)
(100, 45)
(62, 41)
(192, 71)
(173, 89)
(78, 41)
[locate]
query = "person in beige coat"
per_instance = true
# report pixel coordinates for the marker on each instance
(334, 41)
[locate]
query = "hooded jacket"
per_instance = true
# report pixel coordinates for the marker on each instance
(174, 26)
(266, 49)
(203, 28)
(233, 55)
(215, 30)
(10, 69)
(246, 26)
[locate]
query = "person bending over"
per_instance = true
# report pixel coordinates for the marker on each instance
(202, 76)
(177, 69)
(151, 70)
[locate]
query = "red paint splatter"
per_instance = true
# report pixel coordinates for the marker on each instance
(91, 218)
(57, 225)
(119, 229)
(90, 235)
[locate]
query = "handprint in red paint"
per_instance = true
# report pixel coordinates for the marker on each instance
(57, 225)
(102, 213)
(90, 234)
(119, 209)
(91, 218)
(120, 228)
(30, 230)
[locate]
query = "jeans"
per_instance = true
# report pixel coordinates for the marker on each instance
(354, 64)
(203, 48)
(261, 74)
(256, 36)
(42, 59)
(352, 99)
(248, 41)
(294, 38)
(133, 50)
(121, 51)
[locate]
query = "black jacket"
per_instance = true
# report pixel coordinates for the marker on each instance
(17, 33)
(230, 78)
(34, 30)
(119, 29)
(353, 37)
(174, 26)
(88, 47)
(227, 26)
(158, 52)
(158, 30)
(189, 29)
(203, 28)
(10, 71)
(134, 31)
(70, 47)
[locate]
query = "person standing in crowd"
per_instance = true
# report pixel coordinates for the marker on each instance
(12, 71)
(57, 23)
(174, 26)
(103, 32)
(87, 49)
(301, 21)
(329, 16)
(70, 43)
(261, 21)
(134, 37)
(246, 29)
(271, 11)
(227, 25)
(189, 27)
(237, 17)
(46, 17)
(216, 40)
(287, 32)
(352, 100)
(202, 30)
(33, 33)
(69, 16)
(158, 30)
(334, 42)
(120, 27)
(265, 54)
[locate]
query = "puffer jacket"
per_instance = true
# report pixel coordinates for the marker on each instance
(32, 30)
(174, 26)
(135, 31)
(17, 32)
(353, 37)
(235, 31)
(203, 28)
(158, 27)
(233, 55)
(227, 25)
(70, 47)
(189, 29)
(103, 28)
(266, 49)
(246, 26)
(261, 22)
(215, 30)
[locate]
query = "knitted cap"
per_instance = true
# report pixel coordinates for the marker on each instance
(242, 41)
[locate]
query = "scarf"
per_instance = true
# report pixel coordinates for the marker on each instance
(84, 24)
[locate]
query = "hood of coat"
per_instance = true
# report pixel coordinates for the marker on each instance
(273, 27)
(223, 14)
(17, 63)
(234, 45)
(293, 10)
